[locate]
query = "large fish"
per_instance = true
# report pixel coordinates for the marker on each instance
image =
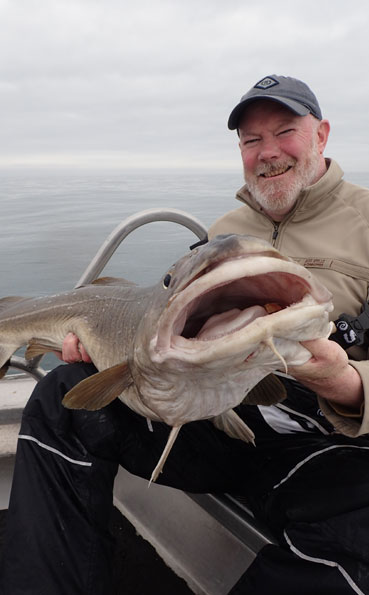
(192, 347)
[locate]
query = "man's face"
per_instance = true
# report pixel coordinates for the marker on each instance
(282, 153)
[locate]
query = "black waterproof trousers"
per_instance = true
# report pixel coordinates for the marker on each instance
(311, 489)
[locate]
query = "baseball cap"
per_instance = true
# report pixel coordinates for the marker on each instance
(288, 91)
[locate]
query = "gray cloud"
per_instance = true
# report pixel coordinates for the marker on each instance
(152, 83)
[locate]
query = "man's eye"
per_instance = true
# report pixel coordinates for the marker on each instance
(250, 141)
(285, 131)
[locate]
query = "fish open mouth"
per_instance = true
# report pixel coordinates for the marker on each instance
(236, 304)
(233, 296)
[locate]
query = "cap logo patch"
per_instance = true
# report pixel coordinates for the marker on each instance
(266, 83)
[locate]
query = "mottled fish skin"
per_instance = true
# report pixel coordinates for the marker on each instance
(191, 347)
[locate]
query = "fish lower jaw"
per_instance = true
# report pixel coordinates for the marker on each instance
(270, 352)
(272, 359)
(302, 323)
(206, 354)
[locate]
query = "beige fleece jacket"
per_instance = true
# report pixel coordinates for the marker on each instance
(328, 233)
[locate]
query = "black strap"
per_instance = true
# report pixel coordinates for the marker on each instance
(200, 243)
(352, 330)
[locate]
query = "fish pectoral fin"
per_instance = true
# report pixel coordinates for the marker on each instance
(37, 347)
(231, 423)
(268, 391)
(168, 447)
(100, 389)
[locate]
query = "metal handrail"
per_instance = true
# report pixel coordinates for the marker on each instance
(104, 254)
(130, 224)
(30, 366)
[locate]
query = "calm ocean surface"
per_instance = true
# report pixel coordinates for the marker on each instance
(53, 223)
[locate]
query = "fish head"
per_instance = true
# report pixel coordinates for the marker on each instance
(236, 301)
(219, 320)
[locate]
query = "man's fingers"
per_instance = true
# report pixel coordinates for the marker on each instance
(83, 353)
(70, 351)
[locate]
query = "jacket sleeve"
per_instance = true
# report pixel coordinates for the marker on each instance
(351, 424)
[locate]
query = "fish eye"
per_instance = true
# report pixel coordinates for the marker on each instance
(166, 281)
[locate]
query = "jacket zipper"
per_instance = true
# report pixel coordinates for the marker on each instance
(275, 233)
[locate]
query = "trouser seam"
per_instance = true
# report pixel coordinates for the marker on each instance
(330, 563)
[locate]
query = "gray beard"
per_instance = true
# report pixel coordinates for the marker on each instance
(273, 199)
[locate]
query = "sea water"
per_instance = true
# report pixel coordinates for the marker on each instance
(53, 222)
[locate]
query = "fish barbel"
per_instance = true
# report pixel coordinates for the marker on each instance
(193, 346)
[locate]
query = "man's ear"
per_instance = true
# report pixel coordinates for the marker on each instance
(323, 134)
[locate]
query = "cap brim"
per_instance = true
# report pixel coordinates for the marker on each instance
(238, 112)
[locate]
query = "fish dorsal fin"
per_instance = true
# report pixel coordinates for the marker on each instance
(100, 389)
(36, 347)
(268, 391)
(112, 281)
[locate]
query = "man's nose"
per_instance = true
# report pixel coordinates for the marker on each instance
(269, 149)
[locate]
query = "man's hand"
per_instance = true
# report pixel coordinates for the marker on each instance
(73, 350)
(329, 374)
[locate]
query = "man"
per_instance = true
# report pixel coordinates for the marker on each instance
(297, 200)
(308, 476)
(282, 143)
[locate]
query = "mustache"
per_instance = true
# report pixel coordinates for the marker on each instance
(269, 169)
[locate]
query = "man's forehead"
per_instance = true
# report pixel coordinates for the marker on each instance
(262, 109)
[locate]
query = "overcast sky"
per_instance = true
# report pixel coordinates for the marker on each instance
(121, 83)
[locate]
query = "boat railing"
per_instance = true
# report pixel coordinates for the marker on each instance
(33, 366)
